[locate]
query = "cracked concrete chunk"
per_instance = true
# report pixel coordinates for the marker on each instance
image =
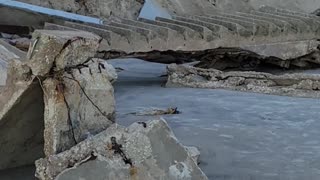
(60, 48)
(58, 134)
(80, 105)
(297, 84)
(7, 53)
(154, 152)
(21, 117)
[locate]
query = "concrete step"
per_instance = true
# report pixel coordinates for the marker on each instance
(313, 23)
(299, 25)
(285, 27)
(232, 26)
(250, 26)
(272, 28)
(151, 37)
(143, 32)
(109, 38)
(164, 33)
(136, 40)
(202, 30)
(189, 36)
(286, 11)
(215, 28)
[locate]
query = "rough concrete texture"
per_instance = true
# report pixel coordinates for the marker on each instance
(128, 9)
(267, 31)
(21, 118)
(300, 85)
(306, 6)
(200, 6)
(55, 99)
(152, 148)
(83, 107)
(78, 94)
(60, 49)
(7, 53)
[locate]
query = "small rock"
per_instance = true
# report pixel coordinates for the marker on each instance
(194, 153)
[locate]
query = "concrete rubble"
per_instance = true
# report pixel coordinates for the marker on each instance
(74, 102)
(146, 152)
(57, 104)
(295, 84)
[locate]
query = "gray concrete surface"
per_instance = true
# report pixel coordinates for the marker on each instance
(147, 152)
(241, 136)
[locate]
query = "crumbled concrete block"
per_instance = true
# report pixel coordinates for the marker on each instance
(144, 152)
(21, 117)
(62, 49)
(296, 84)
(78, 104)
(7, 53)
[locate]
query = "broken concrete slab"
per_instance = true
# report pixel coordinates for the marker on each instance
(237, 29)
(78, 94)
(7, 53)
(64, 49)
(80, 105)
(137, 152)
(21, 117)
(23, 14)
(78, 90)
(296, 84)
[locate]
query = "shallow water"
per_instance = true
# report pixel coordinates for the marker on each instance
(240, 135)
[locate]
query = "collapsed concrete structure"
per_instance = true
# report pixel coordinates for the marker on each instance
(59, 96)
(267, 31)
(299, 85)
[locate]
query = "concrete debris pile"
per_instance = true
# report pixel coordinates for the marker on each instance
(137, 152)
(55, 101)
(295, 84)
